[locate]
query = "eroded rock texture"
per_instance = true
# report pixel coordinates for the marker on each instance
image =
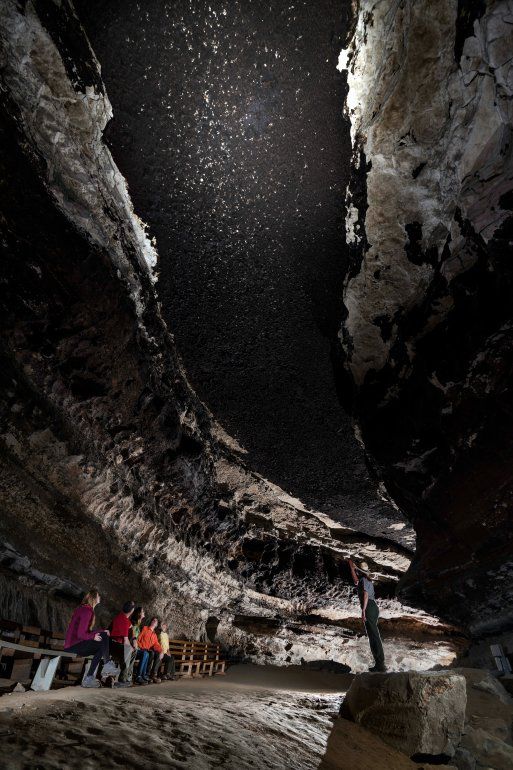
(112, 470)
(427, 333)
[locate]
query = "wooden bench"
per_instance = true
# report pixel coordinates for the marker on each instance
(70, 668)
(48, 661)
(196, 658)
(37, 656)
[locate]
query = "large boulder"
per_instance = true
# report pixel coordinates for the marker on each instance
(487, 740)
(419, 713)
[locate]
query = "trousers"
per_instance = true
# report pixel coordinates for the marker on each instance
(371, 624)
(89, 647)
(125, 654)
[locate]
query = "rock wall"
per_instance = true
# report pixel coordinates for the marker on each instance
(427, 327)
(112, 470)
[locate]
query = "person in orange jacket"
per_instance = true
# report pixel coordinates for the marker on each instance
(148, 641)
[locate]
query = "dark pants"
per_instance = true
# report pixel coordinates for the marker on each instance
(153, 663)
(88, 647)
(169, 665)
(371, 624)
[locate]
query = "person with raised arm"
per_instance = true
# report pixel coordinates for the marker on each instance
(370, 612)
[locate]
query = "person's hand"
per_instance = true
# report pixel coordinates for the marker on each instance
(97, 637)
(107, 632)
(363, 616)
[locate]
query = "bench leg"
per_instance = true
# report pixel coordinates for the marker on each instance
(45, 673)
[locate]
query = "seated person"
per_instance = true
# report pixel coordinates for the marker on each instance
(141, 655)
(148, 641)
(121, 648)
(168, 671)
(83, 639)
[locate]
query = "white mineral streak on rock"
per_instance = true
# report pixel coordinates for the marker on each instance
(66, 127)
(410, 103)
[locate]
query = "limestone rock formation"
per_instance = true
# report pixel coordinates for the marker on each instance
(113, 472)
(109, 457)
(350, 745)
(416, 713)
(427, 328)
(462, 717)
(487, 739)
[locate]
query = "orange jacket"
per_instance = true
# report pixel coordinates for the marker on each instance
(147, 640)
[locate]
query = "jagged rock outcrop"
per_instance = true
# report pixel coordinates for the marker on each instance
(112, 470)
(427, 331)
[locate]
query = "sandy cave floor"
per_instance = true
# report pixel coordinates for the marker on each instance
(254, 717)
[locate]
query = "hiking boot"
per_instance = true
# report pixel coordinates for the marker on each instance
(90, 681)
(122, 684)
(156, 680)
(141, 680)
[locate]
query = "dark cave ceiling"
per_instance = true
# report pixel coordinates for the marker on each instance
(228, 126)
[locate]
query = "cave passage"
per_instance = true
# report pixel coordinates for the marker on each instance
(228, 125)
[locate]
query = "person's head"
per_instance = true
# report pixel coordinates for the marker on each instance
(128, 608)
(154, 623)
(163, 627)
(92, 598)
(363, 569)
(138, 615)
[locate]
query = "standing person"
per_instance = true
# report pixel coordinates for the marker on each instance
(121, 647)
(141, 655)
(83, 639)
(370, 612)
(148, 641)
(167, 659)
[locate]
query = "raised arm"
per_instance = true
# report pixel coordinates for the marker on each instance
(353, 571)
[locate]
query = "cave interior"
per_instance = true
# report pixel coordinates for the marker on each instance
(257, 319)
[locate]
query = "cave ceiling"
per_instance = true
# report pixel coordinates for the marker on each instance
(228, 126)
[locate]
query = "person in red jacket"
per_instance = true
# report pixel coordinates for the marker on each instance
(84, 639)
(121, 647)
(148, 641)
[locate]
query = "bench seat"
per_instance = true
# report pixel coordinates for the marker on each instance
(49, 660)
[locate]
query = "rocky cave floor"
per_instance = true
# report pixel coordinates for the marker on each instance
(255, 717)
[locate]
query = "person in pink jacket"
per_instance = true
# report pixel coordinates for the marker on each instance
(84, 639)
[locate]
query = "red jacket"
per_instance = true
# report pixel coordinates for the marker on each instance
(147, 640)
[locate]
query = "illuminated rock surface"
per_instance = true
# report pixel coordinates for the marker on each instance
(427, 333)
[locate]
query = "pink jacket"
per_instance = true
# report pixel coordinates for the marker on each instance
(78, 629)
